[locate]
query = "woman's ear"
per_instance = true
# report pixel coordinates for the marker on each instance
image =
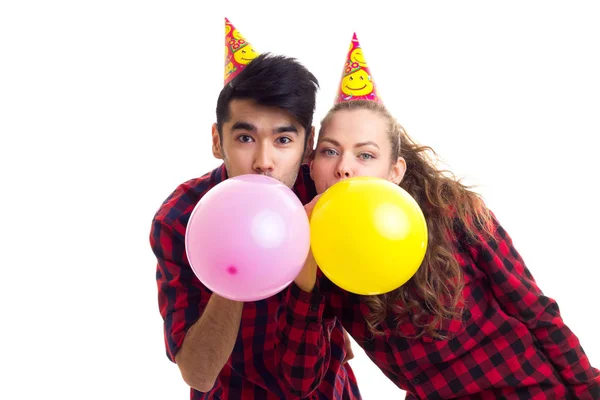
(398, 170)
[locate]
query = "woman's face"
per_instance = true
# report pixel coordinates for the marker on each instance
(354, 143)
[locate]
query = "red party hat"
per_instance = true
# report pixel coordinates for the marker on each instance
(357, 82)
(238, 52)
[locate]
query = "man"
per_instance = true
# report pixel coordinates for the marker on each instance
(226, 349)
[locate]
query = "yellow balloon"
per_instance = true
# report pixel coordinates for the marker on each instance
(368, 235)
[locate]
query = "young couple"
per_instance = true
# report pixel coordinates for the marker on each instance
(472, 323)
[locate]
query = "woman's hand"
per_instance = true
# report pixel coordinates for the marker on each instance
(349, 352)
(308, 275)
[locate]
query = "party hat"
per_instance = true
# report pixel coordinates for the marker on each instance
(357, 82)
(238, 52)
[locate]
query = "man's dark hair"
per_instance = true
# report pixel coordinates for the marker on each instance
(273, 81)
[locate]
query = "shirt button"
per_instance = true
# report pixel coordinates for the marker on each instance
(314, 307)
(415, 381)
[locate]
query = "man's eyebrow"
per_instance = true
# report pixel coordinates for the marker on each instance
(246, 126)
(241, 125)
(285, 129)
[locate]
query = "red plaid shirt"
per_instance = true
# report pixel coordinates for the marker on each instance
(251, 372)
(511, 343)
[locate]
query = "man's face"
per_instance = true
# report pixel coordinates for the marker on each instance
(260, 140)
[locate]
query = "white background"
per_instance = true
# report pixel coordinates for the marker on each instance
(105, 107)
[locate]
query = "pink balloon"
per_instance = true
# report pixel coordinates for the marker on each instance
(247, 238)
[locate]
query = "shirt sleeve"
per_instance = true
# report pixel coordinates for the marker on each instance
(303, 348)
(181, 296)
(518, 294)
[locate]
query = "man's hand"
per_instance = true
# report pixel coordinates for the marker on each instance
(349, 352)
(308, 276)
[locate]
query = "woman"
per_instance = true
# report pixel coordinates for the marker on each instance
(471, 323)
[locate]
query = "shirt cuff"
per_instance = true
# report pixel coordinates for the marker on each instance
(308, 306)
